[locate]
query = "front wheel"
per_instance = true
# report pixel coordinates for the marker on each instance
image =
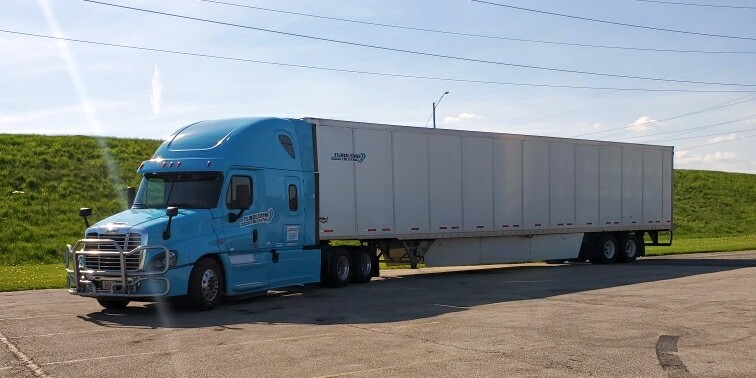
(205, 284)
(113, 304)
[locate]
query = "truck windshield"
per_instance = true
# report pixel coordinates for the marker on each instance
(189, 190)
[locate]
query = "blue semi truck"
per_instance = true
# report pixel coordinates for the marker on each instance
(240, 206)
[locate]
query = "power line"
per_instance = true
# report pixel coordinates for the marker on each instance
(414, 52)
(700, 136)
(698, 4)
(614, 22)
(462, 34)
(371, 73)
(725, 104)
(724, 141)
(697, 128)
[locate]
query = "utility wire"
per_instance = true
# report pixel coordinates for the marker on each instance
(724, 141)
(700, 136)
(614, 22)
(462, 34)
(697, 128)
(736, 101)
(372, 73)
(414, 52)
(698, 4)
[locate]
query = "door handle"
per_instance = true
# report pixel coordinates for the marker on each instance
(274, 255)
(254, 236)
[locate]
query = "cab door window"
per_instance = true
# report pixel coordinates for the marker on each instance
(239, 190)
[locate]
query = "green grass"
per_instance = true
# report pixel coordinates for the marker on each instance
(27, 277)
(722, 244)
(58, 175)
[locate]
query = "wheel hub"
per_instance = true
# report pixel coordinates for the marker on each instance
(209, 285)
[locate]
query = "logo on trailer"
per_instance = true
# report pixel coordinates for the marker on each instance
(256, 218)
(359, 158)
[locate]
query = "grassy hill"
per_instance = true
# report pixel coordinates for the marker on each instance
(60, 174)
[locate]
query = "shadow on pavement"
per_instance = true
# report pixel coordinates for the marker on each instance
(415, 296)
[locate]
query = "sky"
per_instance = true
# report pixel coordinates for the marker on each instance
(472, 49)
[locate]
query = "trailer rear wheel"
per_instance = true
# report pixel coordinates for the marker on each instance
(205, 284)
(605, 250)
(362, 265)
(629, 248)
(340, 268)
(113, 303)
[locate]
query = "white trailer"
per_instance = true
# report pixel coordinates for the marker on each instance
(460, 197)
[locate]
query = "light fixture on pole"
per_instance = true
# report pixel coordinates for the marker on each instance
(434, 107)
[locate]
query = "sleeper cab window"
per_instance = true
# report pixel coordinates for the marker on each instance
(293, 204)
(287, 145)
(239, 192)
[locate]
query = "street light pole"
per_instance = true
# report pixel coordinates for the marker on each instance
(434, 107)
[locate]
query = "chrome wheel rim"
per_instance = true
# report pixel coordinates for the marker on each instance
(630, 248)
(609, 249)
(210, 285)
(342, 268)
(366, 264)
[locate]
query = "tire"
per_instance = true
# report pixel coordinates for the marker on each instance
(605, 250)
(629, 249)
(112, 303)
(205, 285)
(339, 268)
(362, 265)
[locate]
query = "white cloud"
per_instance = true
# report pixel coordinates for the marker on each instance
(588, 125)
(642, 124)
(683, 157)
(722, 138)
(462, 117)
(156, 97)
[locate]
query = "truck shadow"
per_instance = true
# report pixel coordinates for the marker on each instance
(414, 296)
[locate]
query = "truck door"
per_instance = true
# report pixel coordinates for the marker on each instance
(243, 236)
(292, 264)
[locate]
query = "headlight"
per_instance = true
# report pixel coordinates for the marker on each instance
(158, 262)
(82, 262)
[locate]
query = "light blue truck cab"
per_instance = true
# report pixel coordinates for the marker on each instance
(226, 207)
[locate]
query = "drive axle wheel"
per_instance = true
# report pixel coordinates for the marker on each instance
(205, 284)
(340, 268)
(362, 265)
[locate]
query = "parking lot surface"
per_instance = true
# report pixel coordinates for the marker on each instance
(682, 316)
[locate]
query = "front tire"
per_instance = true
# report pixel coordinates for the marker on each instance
(205, 285)
(113, 304)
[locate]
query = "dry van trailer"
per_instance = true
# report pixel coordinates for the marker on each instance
(462, 197)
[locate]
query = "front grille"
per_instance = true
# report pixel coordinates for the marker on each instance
(127, 242)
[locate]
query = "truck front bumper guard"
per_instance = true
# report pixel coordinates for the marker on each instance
(122, 283)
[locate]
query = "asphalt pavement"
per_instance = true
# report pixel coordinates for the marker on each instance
(682, 316)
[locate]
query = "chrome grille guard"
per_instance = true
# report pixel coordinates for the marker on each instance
(129, 279)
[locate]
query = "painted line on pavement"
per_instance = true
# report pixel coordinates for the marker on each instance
(21, 356)
(450, 306)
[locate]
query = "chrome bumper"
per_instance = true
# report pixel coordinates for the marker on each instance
(123, 283)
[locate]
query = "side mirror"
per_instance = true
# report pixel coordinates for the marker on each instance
(84, 212)
(171, 212)
(130, 196)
